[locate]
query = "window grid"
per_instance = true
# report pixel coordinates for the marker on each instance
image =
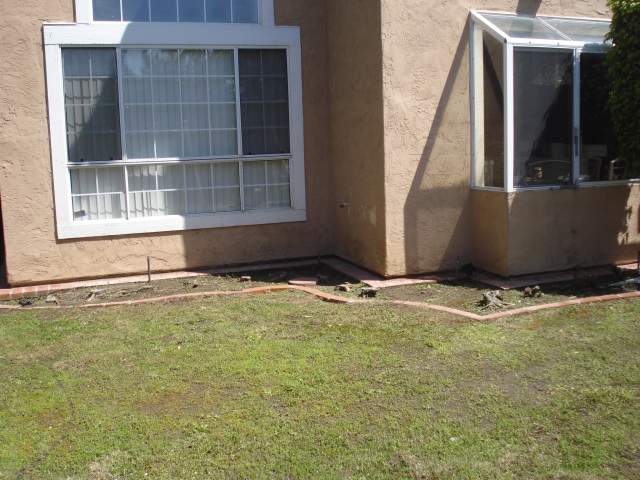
(215, 134)
(227, 11)
(139, 192)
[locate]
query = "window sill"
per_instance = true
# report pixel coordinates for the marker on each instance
(108, 228)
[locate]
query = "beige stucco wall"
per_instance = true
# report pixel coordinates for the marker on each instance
(32, 252)
(429, 212)
(573, 228)
(357, 148)
(552, 230)
(490, 234)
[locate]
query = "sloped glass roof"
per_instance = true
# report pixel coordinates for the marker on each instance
(516, 28)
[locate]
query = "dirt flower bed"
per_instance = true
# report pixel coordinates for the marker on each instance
(467, 295)
(328, 280)
(462, 294)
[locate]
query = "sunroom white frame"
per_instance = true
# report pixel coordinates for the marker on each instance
(477, 25)
(84, 12)
(170, 35)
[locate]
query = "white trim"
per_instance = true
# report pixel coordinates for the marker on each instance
(156, 35)
(476, 69)
(84, 11)
(170, 34)
(576, 139)
(509, 117)
(169, 223)
(267, 14)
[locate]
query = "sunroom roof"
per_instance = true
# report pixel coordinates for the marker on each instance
(518, 28)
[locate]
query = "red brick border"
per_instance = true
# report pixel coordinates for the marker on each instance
(336, 299)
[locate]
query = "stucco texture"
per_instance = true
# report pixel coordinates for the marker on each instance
(429, 213)
(33, 254)
(357, 130)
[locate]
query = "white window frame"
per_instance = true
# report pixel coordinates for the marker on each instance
(477, 25)
(84, 12)
(173, 35)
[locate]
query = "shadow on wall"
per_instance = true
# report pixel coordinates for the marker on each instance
(437, 212)
(528, 7)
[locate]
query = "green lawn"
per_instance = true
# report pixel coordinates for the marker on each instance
(285, 386)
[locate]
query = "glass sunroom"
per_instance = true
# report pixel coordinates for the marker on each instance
(539, 103)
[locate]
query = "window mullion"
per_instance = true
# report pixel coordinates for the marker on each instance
(185, 190)
(120, 76)
(125, 172)
(577, 140)
(153, 104)
(181, 103)
(509, 130)
(236, 62)
(241, 182)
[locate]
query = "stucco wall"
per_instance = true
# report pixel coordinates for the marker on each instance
(32, 252)
(490, 234)
(426, 125)
(564, 229)
(355, 86)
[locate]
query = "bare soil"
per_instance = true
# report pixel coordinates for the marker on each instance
(461, 294)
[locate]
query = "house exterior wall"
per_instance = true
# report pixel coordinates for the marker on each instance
(358, 154)
(429, 207)
(32, 252)
(555, 230)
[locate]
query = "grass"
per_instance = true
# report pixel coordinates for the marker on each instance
(284, 386)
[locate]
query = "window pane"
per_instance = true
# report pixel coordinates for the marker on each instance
(264, 101)
(493, 80)
(543, 111)
(97, 193)
(191, 10)
(580, 30)
(135, 10)
(218, 10)
(226, 174)
(183, 100)
(108, 10)
(245, 11)
(227, 199)
(164, 10)
(522, 27)
(91, 104)
(193, 62)
(599, 152)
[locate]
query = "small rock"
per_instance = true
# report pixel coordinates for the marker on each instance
(531, 292)
(94, 293)
(304, 281)
(23, 302)
(245, 278)
(368, 292)
(52, 299)
(344, 287)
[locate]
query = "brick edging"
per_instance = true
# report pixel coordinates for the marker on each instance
(184, 296)
(335, 299)
(517, 311)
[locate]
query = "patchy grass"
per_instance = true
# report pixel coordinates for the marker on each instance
(284, 386)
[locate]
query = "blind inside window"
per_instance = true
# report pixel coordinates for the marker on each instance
(179, 103)
(91, 104)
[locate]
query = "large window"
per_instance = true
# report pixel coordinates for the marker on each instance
(219, 11)
(540, 90)
(192, 135)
